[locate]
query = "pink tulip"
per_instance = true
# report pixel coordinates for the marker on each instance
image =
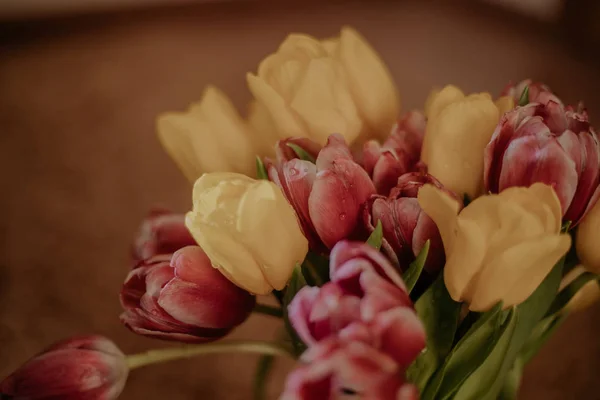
(328, 195)
(537, 92)
(284, 151)
(80, 368)
(365, 301)
(550, 144)
(182, 298)
(398, 155)
(406, 227)
(162, 232)
(335, 366)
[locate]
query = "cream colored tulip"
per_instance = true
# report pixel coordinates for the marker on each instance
(313, 88)
(587, 295)
(587, 239)
(458, 129)
(248, 230)
(209, 137)
(500, 247)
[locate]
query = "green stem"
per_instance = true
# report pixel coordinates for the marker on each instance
(268, 310)
(176, 353)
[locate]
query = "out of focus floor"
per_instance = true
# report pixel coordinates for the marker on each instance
(80, 164)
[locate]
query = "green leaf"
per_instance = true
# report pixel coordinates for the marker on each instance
(412, 274)
(469, 353)
(301, 153)
(565, 226)
(376, 238)
(524, 99)
(565, 295)
(543, 331)
(439, 315)
(510, 389)
(261, 171)
(315, 269)
(263, 368)
(296, 283)
(488, 380)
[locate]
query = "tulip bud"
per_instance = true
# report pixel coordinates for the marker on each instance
(406, 228)
(311, 88)
(458, 129)
(586, 240)
(398, 155)
(211, 136)
(333, 367)
(86, 367)
(248, 230)
(182, 298)
(162, 232)
(328, 195)
(546, 143)
(499, 247)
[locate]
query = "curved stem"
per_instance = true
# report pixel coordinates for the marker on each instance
(188, 351)
(268, 310)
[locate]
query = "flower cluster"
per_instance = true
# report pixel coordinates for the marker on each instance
(422, 257)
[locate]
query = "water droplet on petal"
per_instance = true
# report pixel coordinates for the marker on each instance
(343, 216)
(293, 171)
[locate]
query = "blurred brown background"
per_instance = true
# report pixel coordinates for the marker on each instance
(80, 164)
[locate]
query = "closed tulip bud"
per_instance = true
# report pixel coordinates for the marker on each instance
(86, 367)
(586, 240)
(161, 232)
(311, 88)
(248, 230)
(334, 366)
(537, 92)
(406, 228)
(548, 144)
(182, 298)
(398, 155)
(458, 129)
(499, 247)
(328, 195)
(211, 136)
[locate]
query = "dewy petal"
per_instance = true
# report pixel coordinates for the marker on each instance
(528, 160)
(264, 209)
(299, 176)
(370, 155)
(514, 274)
(335, 149)
(389, 167)
(324, 102)
(370, 82)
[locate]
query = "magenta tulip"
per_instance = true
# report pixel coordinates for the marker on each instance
(335, 366)
(161, 232)
(365, 301)
(328, 195)
(550, 144)
(537, 92)
(406, 228)
(80, 368)
(182, 298)
(398, 155)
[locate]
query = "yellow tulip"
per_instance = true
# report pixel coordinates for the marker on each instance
(209, 137)
(586, 240)
(500, 247)
(587, 295)
(248, 230)
(458, 129)
(313, 88)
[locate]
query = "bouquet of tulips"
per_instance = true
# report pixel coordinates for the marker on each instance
(424, 255)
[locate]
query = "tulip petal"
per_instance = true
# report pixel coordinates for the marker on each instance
(370, 82)
(530, 159)
(176, 140)
(390, 166)
(264, 209)
(587, 247)
(286, 123)
(514, 274)
(442, 209)
(324, 102)
(439, 99)
(401, 333)
(335, 201)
